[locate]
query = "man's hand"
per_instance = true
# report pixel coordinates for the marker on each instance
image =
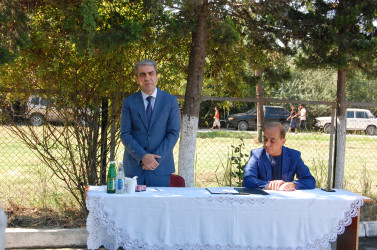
(275, 185)
(149, 162)
(281, 185)
(288, 186)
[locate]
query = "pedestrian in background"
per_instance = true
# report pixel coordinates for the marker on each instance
(302, 117)
(293, 118)
(217, 119)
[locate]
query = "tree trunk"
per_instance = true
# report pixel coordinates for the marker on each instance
(340, 129)
(192, 97)
(104, 122)
(260, 112)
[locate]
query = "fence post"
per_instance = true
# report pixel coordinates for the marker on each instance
(260, 113)
(330, 168)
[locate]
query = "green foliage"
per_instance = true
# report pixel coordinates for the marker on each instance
(89, 11)
(315, 85)
(13, 30)
(339, 35)
(234, 169)
(225, 34)
(238, 161)
(360, 88)
(5, 55)
(319, 170)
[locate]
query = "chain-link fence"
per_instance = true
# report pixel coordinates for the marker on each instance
(220, 156)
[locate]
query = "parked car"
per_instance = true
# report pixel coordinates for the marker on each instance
(248, 120)
(39, 110)
(357, 119)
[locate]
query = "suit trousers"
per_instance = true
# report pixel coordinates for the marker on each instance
(150, 179)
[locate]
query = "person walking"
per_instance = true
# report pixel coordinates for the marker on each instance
(293, 118)
(217, 119)
(302, 117)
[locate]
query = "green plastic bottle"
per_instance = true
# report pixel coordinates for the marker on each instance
(111, 178)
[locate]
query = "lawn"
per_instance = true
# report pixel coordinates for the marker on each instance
(25, 180)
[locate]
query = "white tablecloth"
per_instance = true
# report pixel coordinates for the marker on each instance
(3, 225)
(192, 218)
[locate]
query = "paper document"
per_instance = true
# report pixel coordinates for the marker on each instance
(222, 190)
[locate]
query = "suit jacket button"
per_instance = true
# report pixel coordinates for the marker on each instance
(145, 148)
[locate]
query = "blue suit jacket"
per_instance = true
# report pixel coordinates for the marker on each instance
(258, 172)
(158, 138)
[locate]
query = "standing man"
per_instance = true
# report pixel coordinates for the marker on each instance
(217, 119)
(293, 118)
(302, 117)
(149, 129)
(274, 166)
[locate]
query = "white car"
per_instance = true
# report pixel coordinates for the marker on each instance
(357, 119)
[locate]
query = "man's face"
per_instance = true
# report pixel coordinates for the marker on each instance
(147, 78)
(272, 142)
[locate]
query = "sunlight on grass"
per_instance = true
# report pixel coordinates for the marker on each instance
(25, 180)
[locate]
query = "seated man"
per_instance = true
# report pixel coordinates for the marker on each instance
(274, 166)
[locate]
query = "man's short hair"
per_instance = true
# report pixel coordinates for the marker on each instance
(273, 125)
(146, 62)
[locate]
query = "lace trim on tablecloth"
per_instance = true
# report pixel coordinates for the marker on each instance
(98, 215)
(228, 199)
(348, 215)
(352, 212)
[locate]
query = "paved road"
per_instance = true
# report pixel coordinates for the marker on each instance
(366, 243)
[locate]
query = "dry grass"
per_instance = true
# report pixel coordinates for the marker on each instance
(33, 197)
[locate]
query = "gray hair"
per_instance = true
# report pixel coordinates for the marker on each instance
(145, 62)
(273, 125)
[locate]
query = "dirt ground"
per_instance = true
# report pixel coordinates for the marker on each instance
(36, 218)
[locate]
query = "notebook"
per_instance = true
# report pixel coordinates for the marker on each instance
(246, 191)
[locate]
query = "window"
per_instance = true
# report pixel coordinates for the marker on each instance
(350, 114)
(34, 100)
(43, 102)
(360, 114)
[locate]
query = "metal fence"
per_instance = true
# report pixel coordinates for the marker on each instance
(26, 181)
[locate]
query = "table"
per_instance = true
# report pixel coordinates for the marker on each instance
(192, 218)
(3, 225)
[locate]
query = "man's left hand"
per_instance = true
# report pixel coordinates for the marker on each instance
(281, 185)
(275, 184)
(288, 186)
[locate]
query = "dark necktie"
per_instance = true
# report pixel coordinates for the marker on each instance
(273, 161)
(149, 109)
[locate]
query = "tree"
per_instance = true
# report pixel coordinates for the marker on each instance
(264, 37)
(214, 38)
(340, 35)
(193, 92)
(13, 29)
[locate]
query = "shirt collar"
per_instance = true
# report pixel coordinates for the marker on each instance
(154, 94)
